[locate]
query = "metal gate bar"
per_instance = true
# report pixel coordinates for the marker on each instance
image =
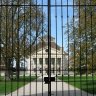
(49, 48)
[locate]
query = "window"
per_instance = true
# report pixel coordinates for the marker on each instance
(46, 60)
(58, 61)
(52, 61)
(40, 61)
(35, 60)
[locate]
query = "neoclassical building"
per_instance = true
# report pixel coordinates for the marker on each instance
(38, 61)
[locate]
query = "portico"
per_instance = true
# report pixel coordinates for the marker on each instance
(39, 60)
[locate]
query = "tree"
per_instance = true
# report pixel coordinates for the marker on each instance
(21, 24)
(83, 36)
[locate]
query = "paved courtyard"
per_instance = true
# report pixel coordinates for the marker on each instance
(63, 89)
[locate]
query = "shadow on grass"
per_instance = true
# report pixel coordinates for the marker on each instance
(83, 83)
(62, 93)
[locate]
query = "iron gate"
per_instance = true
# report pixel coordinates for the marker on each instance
(47, 47)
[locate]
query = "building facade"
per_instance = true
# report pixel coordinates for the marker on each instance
(38, 61)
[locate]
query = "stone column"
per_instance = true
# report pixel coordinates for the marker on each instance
(28, 66)
(38, 67)
(44, 66)
(32, 67)
(55, 67)
(61, 67)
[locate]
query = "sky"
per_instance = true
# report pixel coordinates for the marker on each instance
(60, 20)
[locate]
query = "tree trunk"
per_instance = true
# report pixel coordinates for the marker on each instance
(17, 69)
(8, 71)
(7, 75)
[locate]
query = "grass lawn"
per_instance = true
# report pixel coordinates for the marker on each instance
(87, 84)
(13, 85)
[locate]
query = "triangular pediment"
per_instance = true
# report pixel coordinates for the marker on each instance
(45, 51)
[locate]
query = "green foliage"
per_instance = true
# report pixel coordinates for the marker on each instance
(83, 36)
(20, 27)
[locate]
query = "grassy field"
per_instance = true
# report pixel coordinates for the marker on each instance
(87, 84)
(13, 85)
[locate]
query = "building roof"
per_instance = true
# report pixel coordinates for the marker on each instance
(42, 45)
(45, 38)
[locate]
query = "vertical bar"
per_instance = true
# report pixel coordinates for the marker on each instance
(42, 48)
(36, 47)
(68, 47)
(24, 45)
(12, 49)
(92, 47)
(62, 45)
(49, 48)
(7, 69)
(30, 48)
(56, 43)
(0, 39)
(80, 49)
(17, 61)
(74, 48)
(86, 45)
